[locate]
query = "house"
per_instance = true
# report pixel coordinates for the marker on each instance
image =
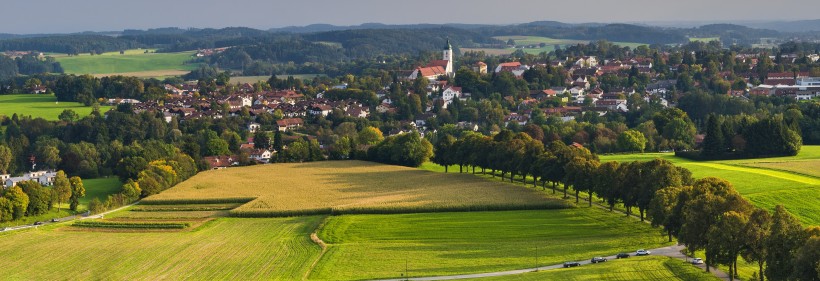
(516, 68)
(45, 178)
(288, 124)
(253, 127)
(39, 89)
(436, 68)
(221, 162)
(260, 155)
(518, 118)
(449, 94)
(614, 105)
(587, 61)
(784, 78)
(320, 109)
(576, 91)
(480, 67)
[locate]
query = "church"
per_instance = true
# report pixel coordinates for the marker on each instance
(437, 68)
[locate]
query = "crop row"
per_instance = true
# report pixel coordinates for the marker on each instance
(175, 201)
(550, 205)
(181, 209)
(140, 225)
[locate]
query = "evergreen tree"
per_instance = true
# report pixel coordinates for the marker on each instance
(713, 143)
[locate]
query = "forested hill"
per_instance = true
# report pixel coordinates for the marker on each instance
(69, 44)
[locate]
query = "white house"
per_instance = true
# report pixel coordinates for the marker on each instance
(252, 127)
(449, 94)
(261, 155)
(45, 178)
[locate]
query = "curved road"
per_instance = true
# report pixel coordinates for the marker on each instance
(671, 251)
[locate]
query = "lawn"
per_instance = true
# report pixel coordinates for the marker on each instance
(633, 269)
(223, 249)
(132, 63)
(351, 187)
(100, 188)
(766, 182)
(378, 246)
(43, 106)
(703, 39)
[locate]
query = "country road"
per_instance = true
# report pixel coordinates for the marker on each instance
(65, 219)
(670, 251)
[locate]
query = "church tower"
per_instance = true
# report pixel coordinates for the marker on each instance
(447, 55)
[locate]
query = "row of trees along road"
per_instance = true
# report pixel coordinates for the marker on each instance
(705, 214)
(30, 198)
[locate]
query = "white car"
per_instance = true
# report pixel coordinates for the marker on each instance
(697, 261)
(642, 252)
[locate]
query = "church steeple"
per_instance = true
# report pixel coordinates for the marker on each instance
(448, 46)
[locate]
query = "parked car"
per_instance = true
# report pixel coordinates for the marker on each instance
(642, 252)
(598, 259)
(55, 220)
(571, 264)
(697, 261)
(621, 256)
(38, 223)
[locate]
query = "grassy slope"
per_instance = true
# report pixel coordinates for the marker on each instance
(348, 185)
(535, 40)
(633, 269)
(764, 187)
(237, 249)
(100, 188)
(377, 246)
(44, 106)
(131, 61)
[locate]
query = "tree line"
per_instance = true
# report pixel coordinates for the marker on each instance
(705, 214)
(30, 198)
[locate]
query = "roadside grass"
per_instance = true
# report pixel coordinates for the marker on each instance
(226, 248)
(766, 182)
(41, 105)
(632, 269)
(378, 246)
(338, 187)
(131, 61)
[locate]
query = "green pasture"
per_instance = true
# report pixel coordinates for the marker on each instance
(703, 39)
(131, 61)
(41, 105)
(379, 246)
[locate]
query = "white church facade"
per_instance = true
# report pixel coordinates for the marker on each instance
(437, 68)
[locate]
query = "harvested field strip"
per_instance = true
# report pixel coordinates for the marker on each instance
(132, 224)
(808, 168)
(172, 215)
(398, 210)
(182, 208)
(182, 201)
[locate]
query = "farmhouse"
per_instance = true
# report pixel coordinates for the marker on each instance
(221, 162)
(287, 124)
(45, 178)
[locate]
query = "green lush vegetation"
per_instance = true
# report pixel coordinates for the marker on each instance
(42, 106)
(226, 248)
(132, 224)
(524, 43)
(703, 39)
(100, 188)
(132, 61)
(633, 269)
(788, 182)
(377, 246)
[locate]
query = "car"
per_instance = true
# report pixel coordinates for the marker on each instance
(571, 264)
(38, 223)
(55, 220)
(621, 256)
(642, 252)
(598, 259)
(697, 261)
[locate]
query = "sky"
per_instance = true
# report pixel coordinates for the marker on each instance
(65, 16)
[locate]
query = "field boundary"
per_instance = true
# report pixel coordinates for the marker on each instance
(553, 204)
(314, 236)
(747, 165)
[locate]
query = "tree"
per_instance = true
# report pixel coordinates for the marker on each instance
(131, 190)
(62, 188)
(95, 206)
(444, 151)
(39, 197)
(69, 115)
(784, 240)
(6, 210)
(370, 136)
(77, 192)
(756, 235)
(6, 158)
(19, 201)
(216, 146)
(806, 265)
(726, 239)
(713, 143)
(607, 182)
(632, 140)
(665, 210)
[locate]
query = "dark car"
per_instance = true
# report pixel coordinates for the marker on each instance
(598, 259)
(622, 256)
(38, 223)
(571, 264)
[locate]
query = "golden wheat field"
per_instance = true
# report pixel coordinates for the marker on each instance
(351, 187)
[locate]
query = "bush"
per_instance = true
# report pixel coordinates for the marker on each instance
(95, 206)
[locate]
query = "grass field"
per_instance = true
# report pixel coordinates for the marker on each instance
(133, 62)
(352, 187)
(522, 41)
(227, 248)
(43, 106)
(790, 181)
(377, 246)
(633, 269)
(704, 39)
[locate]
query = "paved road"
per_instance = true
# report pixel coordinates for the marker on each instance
(671, 251)
(65, 219)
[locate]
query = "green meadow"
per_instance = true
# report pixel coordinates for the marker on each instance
(522, 41)
(133, 62)
(766, 182)
(41, 105)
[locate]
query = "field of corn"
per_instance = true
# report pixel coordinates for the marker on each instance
(350, 187)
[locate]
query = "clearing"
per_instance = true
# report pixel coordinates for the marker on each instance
(531, 45)
(41, 105)
(133, 62)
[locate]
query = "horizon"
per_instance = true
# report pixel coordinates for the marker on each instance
(61, 17)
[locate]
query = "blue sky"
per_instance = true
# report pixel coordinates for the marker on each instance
(60, 16)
